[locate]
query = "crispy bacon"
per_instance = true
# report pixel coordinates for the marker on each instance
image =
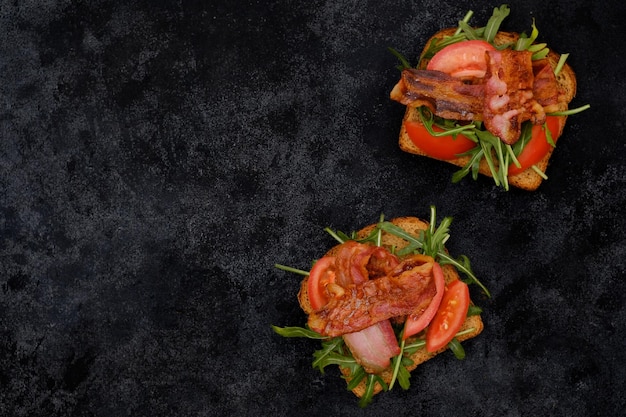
(406, 289)
(444, 95)
(356, 263)
(509, 99)
(513, 90)
(545, 87)
(371, 286)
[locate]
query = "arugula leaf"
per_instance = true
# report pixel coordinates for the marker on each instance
(470, 33)
(372, 380)
(340, 359)
(474, 311)
(472, 165)
(548, 135)
(290, 269)
(356, 377)
(451, 127)
(539, 172)
(399, 364)
(339, 236)
(570, 111)
(524, 138)
(404, 63)
(560, 64)
(328, 354)
(489, 142)
(466, 19)
(414, 346)
(418, 344)
(524, 42)
(457, 349)
(432, 242)
(297, 332)
(414, 243)
(463, 265)
(537, 47)
(541, 54)
(494, 22)
(487, 145)
(438, 44)
(331, 353)
(527, 43)
(403, 376)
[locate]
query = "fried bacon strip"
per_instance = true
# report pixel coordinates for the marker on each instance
(371, 286)
(373, 346)
(444, 95)
(356, 262)
(408, 288)
(509, 99)
(514, 89)
(545, 87)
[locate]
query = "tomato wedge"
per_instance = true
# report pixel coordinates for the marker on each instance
(450, 316)
(414, 325)
(322, 274)
(440, 147)
(462, 59)
(538, 146)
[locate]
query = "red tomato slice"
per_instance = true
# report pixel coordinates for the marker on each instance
(440, 147)
(322, 274)
(414, 325)
(450, 316)
(538, 146)
(462, 59)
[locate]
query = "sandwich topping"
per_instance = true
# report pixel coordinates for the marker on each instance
(490, 88)
(503, 96)
(374, 305)
(404, 289)
(509, 97)
(445, 95)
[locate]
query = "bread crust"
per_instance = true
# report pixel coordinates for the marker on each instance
(413, 226)
(529, 179)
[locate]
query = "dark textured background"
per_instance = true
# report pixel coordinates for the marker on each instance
(157, 159)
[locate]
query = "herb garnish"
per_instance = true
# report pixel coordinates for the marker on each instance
(333, 350)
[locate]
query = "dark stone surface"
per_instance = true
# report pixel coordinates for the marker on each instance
(157, 159)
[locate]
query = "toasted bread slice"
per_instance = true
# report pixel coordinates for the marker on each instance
(412, 225)
(529, 179)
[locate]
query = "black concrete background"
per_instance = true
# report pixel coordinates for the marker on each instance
(157, 158)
